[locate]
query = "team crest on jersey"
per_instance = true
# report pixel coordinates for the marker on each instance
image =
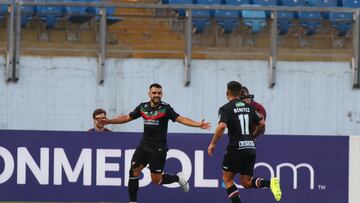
(239, 104)
(152, 115)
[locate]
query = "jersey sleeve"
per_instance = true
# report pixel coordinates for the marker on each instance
(259, 108)
(223, 116)
(172, 115)
(256, 116)
(136, 112)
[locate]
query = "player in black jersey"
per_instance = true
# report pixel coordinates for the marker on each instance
(153, 146)
(239, 118)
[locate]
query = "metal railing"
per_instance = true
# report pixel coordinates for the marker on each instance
(14, 32)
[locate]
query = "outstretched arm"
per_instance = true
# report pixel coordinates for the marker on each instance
(219, 132)
(118, 120)
(191, 123)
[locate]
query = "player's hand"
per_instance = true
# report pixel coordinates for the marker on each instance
(205, 125)
(104, 121)
(211, 149)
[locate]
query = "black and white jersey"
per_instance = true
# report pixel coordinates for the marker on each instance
(155, 124)
(241, 119)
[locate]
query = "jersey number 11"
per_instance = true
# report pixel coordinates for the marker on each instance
(244, 123)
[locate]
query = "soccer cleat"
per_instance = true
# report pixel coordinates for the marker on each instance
(275, 188)
(183, 182)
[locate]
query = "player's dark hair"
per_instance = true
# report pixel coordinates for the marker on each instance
(98, 111)
(245, 93)
(245, 89)
(157, 85)
(234, 88)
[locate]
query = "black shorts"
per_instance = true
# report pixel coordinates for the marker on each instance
(239, 162)
(156, 160)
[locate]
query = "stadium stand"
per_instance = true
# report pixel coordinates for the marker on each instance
(266, 3)
(49, 15)
(285, 19)
(293, 3)
(209, 2)
(111, 18)
(110, 13)
(141, 33)
(3, 12)
(256, 20)
(324, 3)
(202, 18)
(341, 21)
(237, 3)
(27, 13)
(77, 14)
(351, 3)
(310, 20)
(180, 12)
(227, 20)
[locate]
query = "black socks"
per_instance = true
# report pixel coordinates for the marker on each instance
(260, 183)
(133, 187)
(233, 194)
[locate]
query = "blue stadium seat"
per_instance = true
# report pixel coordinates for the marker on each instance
(49, 14)
(284, 21)
(110, 16)
(341, 21)
(237, 3)
(254, 19)
(209, 2)
(92, 10)
(325, 3)
(110, 13)
(310, 20)
(77, 15)
(27, 13)
(200, 20)
(266, 3)
(181, 12)
(227, 20)
(293, 3)
(351, 3)
(3, 11)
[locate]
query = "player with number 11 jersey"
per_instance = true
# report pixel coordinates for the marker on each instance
(240, 118)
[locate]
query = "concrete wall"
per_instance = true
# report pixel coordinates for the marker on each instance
(354, 166)
(61, 93)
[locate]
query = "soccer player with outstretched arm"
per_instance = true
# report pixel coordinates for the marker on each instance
(153, 148)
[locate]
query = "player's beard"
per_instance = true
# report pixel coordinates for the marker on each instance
(156, 100)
